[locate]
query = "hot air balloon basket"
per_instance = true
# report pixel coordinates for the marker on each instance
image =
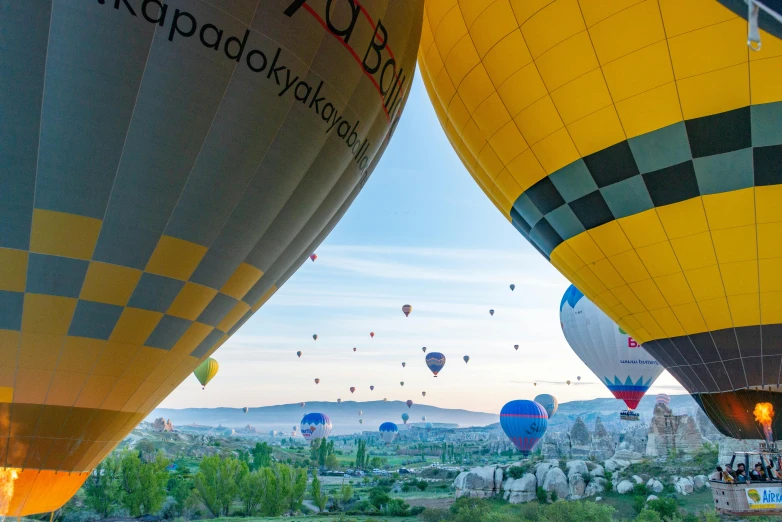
(755, 498)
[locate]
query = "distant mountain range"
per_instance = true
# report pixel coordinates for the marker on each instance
(344, 416)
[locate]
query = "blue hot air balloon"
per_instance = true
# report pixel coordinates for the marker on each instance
(388, 431)
(405, 417)
(435, 361)
(512, 288)
(524, 422)
(315, 426)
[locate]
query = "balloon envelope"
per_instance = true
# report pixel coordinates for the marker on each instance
(662, 398)
(314, 257)
(352, 389)
(524, 422)
(388, 432)
(435, 361)
(614, 357)
(491, 312)
(245, 409)
(315, 337)
(466, 358)
(409, 403)
(515, 346)
(549, 403)
(372, 334)
(206, 371)
(298, 354)
(371, 388)
(406, 309)
(512, 287)
(339, 401)
(317, 381)
(423, 349)
(315, 426)
(657, 257)
(423, 393)
(404, 364)
(405, 417)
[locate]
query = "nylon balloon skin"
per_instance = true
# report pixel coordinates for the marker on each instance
(637, 147)
(315, 426)
(206, 371)
(159, 184)
(435, 361)
(549, 403)
(614, 357)
(405, 417)
(524, 422)
(388, 432)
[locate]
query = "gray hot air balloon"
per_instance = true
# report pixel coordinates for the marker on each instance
(549, 403)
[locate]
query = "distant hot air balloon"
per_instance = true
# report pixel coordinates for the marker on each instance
(388, 432)
(315, 426)
(360, 413)
(314, 257)
(549, 403)
(406, 309)
(534, 384)
(616, 359)
(361, 421)
(466, 358)
(295, 428)
(491, 312)
(352, 389)
(423, 393)
(372, 334)
(578, 377)
(339, 401)
(354, 348)
(423, 417)
(524, 422)
(302, 404)
(401, 383)
(428, 426)
(206, 371)
(423, 349)
(405, 416)
(409, 403)
(317, 381)
(404, 364)
(371, 388)
(435, 361)
(663, 398)
(567, 382)
(385, 399)
(245, 409)
(512, 287)
(315, 337)
(298, 353)
(516, 346)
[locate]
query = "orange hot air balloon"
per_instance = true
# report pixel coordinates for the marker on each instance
(313, 257)
(317, 381)
(352, 389)
(406, 309)
(372, 334)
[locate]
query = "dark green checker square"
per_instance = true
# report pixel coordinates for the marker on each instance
(672, 184)
(545, 196)
(217, 309)
(766, 129)
(724, 172)
(207, 344)
(154, 292)
(661, 148)
(719, 133)
(519, 222)
(592, 210)
(627, 197)
(544, 235)
(527, 210)
(565, 222)
(612, 165)
(573, 181)
(11, 305)
(94, 320)
(167, 332)
(55, 275)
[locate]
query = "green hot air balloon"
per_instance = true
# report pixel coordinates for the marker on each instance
(206, 371)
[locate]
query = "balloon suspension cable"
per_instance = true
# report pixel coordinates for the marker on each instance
(753, 29)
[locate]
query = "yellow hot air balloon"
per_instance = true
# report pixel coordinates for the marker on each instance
(163, 173)
(638, 147)
(206, 371)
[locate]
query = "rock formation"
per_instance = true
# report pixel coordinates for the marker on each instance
(671, 434)
(162, 425)
(603, 445)
(580, 440)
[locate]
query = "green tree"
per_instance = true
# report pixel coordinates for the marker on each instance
(252, 491)
(102, 487)
(146, 449)
(361, 454)
(332, 462)
(180, 488)
(345, 494)
(262, 455)
(217, 482)
(318, 496)
(315, 450)
(142, 483)
(298, 489)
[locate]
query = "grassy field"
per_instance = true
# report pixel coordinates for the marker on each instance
(693, 503)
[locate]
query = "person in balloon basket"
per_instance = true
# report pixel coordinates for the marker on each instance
(757, 474)
(741, 477)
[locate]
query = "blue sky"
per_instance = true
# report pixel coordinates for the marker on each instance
(421, 233)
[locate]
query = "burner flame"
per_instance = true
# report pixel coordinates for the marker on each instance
(764, 414)
(8, 478)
